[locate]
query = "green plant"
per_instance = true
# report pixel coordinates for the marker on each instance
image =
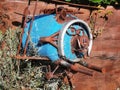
(21, 75)
(103, 1)
(8, 46)
(13, 76)
(95, 16)
(95, 2)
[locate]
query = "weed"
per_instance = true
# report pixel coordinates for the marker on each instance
(95, 16)
(13, 76)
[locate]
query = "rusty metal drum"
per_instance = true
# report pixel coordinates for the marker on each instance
(61, 35)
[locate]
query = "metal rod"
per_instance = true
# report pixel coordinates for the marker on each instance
(81, 69)
(77, 5)
(23, 25)
(90, 66)
(99, 69)
(28, 37)
(90, 73)
(29, 58)
(55, 69)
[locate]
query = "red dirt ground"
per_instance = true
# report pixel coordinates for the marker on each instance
(105, 52)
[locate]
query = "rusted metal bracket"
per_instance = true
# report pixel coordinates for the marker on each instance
(23, 56)
(50, 39)
(24, 19)
(76, 67)
(30, 57)
(30, 28)
(50, 74)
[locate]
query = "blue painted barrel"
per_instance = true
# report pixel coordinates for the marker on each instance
(46, 25)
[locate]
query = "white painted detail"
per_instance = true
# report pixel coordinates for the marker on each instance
(63, 32)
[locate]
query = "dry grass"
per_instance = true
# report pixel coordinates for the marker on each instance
(15, 74)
